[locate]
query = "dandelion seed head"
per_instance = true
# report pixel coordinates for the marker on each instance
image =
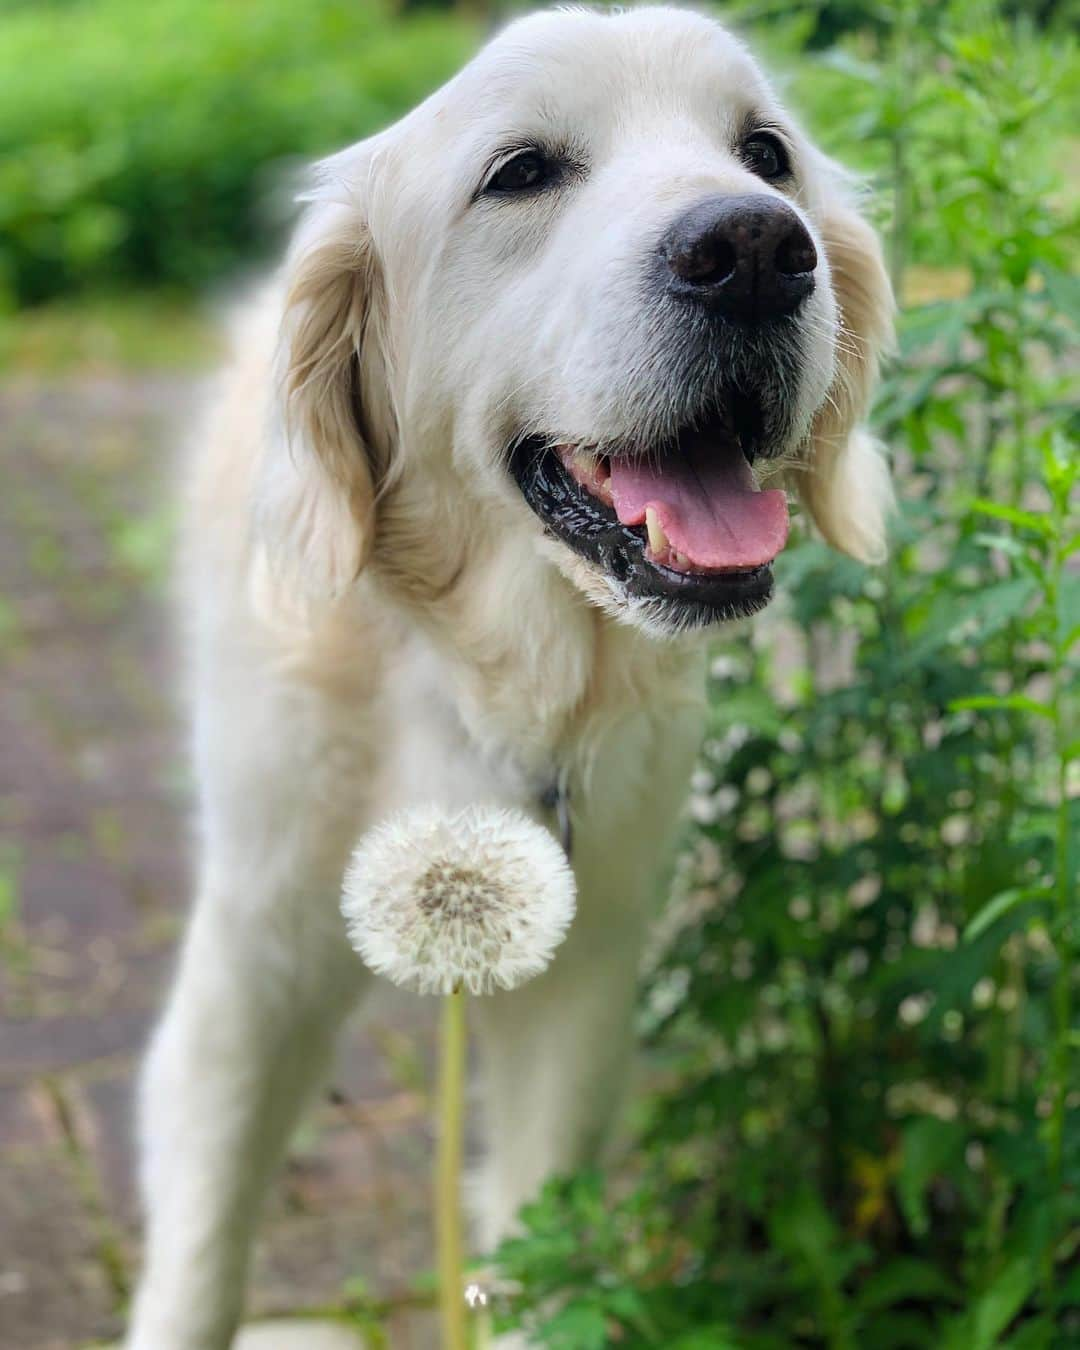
(478, 899)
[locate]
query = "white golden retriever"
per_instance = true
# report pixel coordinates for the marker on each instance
(486, 466)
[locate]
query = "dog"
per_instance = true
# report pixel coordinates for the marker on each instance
(511, 431)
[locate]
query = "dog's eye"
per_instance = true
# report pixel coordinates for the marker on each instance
(524, 173)
(764, 154)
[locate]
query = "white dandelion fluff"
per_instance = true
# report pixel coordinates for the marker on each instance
(477, 900)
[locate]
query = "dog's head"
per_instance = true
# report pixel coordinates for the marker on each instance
(592, 306)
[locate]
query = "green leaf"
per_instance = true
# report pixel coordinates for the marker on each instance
(1068, 615)
(1027, 519)
(1001, 904)
(804, 1228)
(579, 1326)
(1003, 543)
(905, 1278)
(997, 1307)
(627, 1304)
(928, 1146)
(1067, 1288)
(821, 1256)
(972, 616)
(1039, 1334)
(1004, 702)
(706, 1338)
(755, 709)
(898, 1330)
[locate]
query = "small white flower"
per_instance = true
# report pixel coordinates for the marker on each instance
(475, 900)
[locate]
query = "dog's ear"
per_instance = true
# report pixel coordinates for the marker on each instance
(845, 483)
(316, 501)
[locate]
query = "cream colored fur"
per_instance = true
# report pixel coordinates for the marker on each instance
(376, 619)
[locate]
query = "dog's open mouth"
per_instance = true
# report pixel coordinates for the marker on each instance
(686, 523)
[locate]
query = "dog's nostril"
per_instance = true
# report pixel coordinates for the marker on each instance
(796, 254)
(710, 260)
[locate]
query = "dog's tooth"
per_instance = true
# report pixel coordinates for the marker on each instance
(657, 538)
(680, 559)
(585, 461)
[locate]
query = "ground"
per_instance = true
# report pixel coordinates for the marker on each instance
(94, 863)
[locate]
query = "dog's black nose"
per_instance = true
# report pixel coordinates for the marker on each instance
(748, 258)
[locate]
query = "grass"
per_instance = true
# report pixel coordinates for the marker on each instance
(136, 331)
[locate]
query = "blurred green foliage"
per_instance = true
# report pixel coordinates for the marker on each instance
(146, 142)
(825, 23)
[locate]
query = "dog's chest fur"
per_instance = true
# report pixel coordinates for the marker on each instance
(509, 711)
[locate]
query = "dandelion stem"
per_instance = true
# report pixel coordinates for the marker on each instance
(482, 1339)
(448, 1174)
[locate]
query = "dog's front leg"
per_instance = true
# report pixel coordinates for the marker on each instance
(261, 989)
(557, 1051)
(556, 1055)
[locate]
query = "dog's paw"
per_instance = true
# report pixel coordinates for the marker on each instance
(513, 1340)
(291, 1334)
(298, 1334)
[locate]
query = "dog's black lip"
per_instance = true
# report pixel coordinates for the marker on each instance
(593, 531)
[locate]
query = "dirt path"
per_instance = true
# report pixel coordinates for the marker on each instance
(93, 883)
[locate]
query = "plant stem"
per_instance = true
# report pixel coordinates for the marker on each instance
(448, 1174)
(1062, 996)
(1064, 882)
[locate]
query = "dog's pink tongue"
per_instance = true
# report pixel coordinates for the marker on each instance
(708, 505)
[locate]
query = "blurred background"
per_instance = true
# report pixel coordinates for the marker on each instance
(861, 1126)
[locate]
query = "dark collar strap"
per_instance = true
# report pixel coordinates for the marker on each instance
(556, 797)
